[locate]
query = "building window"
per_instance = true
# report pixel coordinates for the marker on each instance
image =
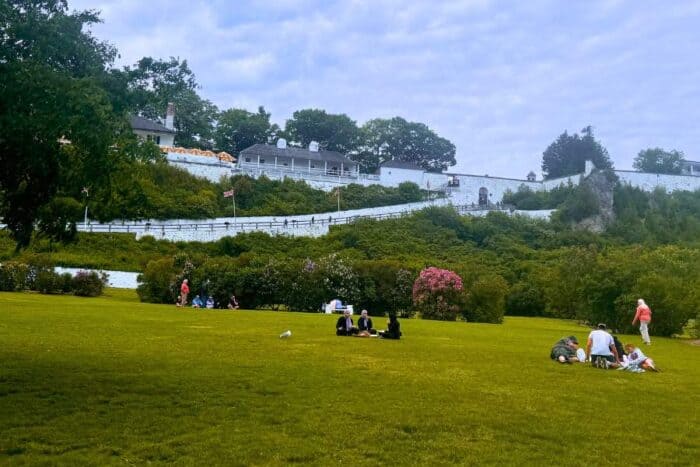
(285, 164)
(313, 166)
(262, 161)
(247, 159)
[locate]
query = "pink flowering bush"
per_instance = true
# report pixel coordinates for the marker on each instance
(438, 294)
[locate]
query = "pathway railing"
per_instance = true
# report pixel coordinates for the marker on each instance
(319, 220)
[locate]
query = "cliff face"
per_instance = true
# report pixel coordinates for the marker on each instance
(602, 185)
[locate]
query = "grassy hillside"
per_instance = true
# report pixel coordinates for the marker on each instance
(112, 381)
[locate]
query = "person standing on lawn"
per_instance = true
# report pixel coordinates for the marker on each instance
(184, 290)
(643, 315)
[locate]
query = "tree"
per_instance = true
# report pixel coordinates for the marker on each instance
(658, 161)
(335, 132)
(568, 155)
(238, 129)
(155, 83)
(396, 138)
(51, 75)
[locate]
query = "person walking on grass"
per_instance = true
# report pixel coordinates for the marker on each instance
(184, 290)
(601, 348)
(643, 315)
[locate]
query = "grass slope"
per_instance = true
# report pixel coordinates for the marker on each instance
(112, 381)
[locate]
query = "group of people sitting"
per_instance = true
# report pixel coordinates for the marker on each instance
(197, 302)
(346, 327)
(603, 350)
(210, 303)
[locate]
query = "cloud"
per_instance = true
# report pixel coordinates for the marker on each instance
(500, 79)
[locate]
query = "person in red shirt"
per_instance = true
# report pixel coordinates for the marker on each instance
(643, 315)
(184, 290)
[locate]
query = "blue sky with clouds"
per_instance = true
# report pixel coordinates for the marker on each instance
(500, 79)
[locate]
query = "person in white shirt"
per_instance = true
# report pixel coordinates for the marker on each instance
(601, 348)
(636, 360)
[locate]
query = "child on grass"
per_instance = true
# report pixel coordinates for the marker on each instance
(636, 360)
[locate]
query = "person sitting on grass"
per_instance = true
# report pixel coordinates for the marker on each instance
(601, 348)
(233, 303)
(344, 326)
(393, 329)
(565, 350)
(197, 302)
(365, 323)
(210, 302)
(637, 362)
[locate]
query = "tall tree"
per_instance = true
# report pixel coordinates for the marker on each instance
(238, 129)
(658, 161)
(155, 83)
(569, 153)
(51, 76)
(396, 138)
(335, 132)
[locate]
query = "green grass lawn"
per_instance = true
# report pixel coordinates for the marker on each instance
(113, 381)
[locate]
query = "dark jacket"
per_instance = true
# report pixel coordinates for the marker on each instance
(365, 324)
(394, 331)
(341, 328)
(562, 349)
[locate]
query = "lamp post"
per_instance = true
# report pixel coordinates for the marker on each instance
(86, 192)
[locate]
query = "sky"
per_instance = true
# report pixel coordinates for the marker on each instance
(500, 79)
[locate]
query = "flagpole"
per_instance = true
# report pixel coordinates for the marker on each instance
(338, 199)
(234, 204)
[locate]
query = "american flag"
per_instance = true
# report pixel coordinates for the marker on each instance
(228, 194)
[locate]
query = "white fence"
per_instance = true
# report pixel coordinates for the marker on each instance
(309, 225)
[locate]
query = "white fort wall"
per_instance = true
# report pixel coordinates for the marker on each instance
(649, 182)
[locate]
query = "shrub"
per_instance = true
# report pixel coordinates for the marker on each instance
(66, 282)
(486, 300)
(13, 276)
(48, 282)
(89, 284)
(525, 299)
(582, 204)
(437, 293)
(157, 283)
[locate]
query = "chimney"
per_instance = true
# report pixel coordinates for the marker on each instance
(282, 143)
(170, 116)
(313, 146)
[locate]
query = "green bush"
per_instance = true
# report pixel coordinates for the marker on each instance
(66, 282)
(13, 276)
(48, 282)
(157, 283)
(89, 284)
(582, 204)
(525, 299)
(486, 300)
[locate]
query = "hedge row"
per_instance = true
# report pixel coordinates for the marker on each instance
(16, 276)
(380, 286)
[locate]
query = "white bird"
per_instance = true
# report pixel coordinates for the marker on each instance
(286, 334)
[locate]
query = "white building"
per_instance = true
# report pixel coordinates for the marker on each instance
(690, 168)
(162, 135)
(282, 159)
